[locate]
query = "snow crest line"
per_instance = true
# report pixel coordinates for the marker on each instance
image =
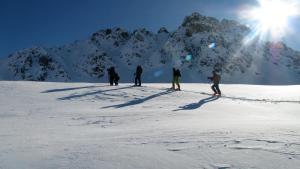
(252, 100)
(241, 98)
(258, 100)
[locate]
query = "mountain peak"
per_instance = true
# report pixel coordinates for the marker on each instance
(163, 30)
(198, 23)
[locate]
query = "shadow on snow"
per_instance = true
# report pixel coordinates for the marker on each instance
(92, 93)
(254, 100)
(139, 101)
(197, 105)
(68, 89)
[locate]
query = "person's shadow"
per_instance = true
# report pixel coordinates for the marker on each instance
(69, 89)
(139, 101)
(197, 105)
(92, 93)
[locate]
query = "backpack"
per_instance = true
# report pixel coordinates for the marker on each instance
(117, 77)
(178, 73)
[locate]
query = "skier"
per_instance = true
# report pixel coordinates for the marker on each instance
(216, 80)
(138, 74)
(176, 79)
(111, 75)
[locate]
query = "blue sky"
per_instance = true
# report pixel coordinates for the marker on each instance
(25, 23)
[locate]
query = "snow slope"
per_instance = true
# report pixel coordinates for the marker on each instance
(95, 126)
(198, 46)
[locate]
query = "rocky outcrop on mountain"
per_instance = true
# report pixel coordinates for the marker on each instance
(37, 65)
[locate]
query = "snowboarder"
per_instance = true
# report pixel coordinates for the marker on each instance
(111, 75)
(138, 74)
(216, 81)
(176, 79)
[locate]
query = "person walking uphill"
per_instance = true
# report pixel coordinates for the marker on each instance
(138, 75)
(216, 81)
(176, 79)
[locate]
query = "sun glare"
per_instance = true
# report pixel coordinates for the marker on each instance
(271, 18)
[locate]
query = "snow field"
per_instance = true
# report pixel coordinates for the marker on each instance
(84, 125)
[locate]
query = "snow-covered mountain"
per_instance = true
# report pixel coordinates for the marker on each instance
(200, 45)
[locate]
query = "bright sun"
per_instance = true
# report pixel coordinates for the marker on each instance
(272, 17)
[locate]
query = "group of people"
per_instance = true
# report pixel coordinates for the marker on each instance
(113, 76)
(114, 79)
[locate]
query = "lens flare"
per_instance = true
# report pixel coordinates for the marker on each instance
(158, 73)
(188, 58)
(212, 45)
(271, 18)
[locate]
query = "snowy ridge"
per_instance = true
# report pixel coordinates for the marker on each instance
(201, 44)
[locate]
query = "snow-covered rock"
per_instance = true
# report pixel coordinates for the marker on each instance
(36, 64)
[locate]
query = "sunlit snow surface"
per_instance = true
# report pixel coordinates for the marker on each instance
(96, 126)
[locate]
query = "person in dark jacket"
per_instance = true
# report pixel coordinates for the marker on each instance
(138, 75)
(116, 79)
(111, 75)
(176, 79)
(216, 81)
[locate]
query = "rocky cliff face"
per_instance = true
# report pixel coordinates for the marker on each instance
(201, 44)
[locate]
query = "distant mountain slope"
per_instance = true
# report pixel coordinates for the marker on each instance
(201, 44)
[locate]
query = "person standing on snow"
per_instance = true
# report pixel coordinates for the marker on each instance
(216, 81)
(116, 79)
(138, 75)
(111, 75)
(176, 79)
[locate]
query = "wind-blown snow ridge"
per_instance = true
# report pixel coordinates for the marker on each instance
(199, 45)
